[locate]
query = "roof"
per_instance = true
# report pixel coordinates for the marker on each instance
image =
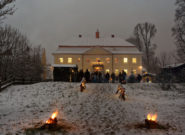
(149, 74)
(63, 65)
(89, 41)
(83, 49)
(144, 69)
(174, 65)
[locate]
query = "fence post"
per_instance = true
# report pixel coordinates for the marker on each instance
(14, 80)
(0, 85)
(23, 80)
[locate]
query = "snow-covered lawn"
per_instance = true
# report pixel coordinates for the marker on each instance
(98, 110)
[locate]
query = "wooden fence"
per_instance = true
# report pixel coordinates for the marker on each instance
(16, 81)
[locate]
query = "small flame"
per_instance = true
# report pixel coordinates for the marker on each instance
(53, 116)
(152, 117)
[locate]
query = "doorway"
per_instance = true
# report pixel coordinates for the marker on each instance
(97, 69)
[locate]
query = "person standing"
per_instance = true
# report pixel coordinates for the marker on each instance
(113, 77)
(95, 78)
(139, 78)
(75, 75)
(107, 76)
(120, 77)
(99, 76)
(124, 75)
(147, 79)
(87, 75)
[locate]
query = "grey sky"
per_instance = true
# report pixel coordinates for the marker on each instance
(52, 22)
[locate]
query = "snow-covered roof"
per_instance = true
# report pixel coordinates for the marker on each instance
(63, 65)
(174, 65)
(144, 69)
(89, 41)
(71, 50)
(81, 50)
(123, 50)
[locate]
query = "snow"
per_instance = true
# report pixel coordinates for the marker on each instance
(174, 65)
(6, 85)
(98, 110)
(63, 65)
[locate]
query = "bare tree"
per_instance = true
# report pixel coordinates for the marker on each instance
(142, 36)
(24, 59)
(179, 30)
(162, 68)
(4, 10)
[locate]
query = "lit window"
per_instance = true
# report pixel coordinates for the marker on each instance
(126, 71)
(116, 71)
(134, 60)
(134, 71)
(125, 60)
(87, 60)
(78, 60)
(107, 60)
(107, 70)
(116, 60)
(97, 59)
(69, 60)
(61, 60)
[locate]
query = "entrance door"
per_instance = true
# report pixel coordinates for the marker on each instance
(97, 69)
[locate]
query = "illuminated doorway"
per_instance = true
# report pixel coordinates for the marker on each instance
(98, 69)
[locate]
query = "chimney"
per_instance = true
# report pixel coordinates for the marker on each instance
(97, 34)
(112, 36)
(80, 36)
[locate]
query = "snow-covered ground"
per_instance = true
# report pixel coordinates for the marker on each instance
(98, 110)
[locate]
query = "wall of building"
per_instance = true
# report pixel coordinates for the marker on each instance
(65, 58)
(129, 66)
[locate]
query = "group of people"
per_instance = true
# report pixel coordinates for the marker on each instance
(97, 77)
(121, 92)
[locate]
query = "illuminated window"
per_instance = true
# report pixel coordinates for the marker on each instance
(134, 60)
(116, 60)
(61, 60)
(125, 60)
(116, 71)
(107, 60)
(134, 71)
(78, 60)
(69, 60)
(97, 59)
(87, 60)
(107, 70)
(126, 71)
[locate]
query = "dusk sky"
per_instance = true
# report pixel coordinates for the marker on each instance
(52, 22)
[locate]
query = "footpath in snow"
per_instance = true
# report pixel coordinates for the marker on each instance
(98, 110)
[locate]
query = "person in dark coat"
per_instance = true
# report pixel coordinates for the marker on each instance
(107, 76)
(123, 74)
(99, 76)
(139, 78)
(87, 75)
(120, 77)
(147, 79)
(81, 75)
(113, 77)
